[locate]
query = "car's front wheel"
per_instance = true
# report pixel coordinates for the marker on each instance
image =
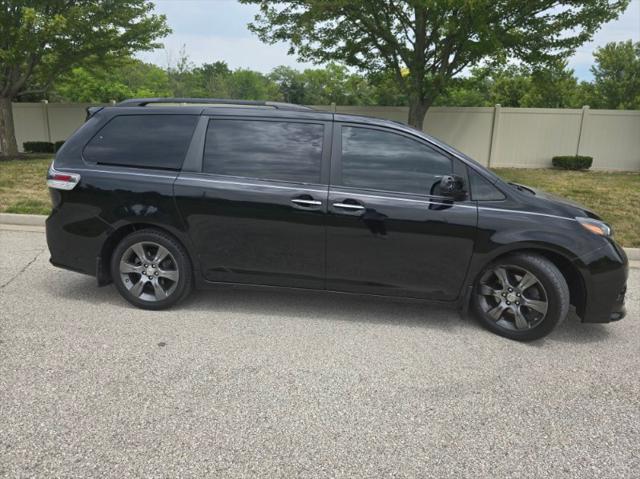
(522, 296)
(151, 269)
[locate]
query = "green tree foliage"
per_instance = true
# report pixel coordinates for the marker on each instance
(290, 83)
(43, 39)
(128, 78)
(549, 86)
(334, 84)
(216, 80)
(431, 40)
(617, 76)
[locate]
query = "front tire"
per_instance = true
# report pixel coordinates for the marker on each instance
(151, 270)
(522, 296)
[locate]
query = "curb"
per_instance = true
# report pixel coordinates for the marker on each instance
(633, 254)
(22, 220)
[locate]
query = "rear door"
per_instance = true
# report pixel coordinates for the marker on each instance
(256, 205)
(388, 230)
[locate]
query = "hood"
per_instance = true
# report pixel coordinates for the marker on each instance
(570, 207)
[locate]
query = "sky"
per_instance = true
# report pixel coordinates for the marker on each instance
(213, 30)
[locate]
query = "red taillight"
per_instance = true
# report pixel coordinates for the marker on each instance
(61, 177)
(61, 180)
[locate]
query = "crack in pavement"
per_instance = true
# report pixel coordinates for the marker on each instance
(23, 269)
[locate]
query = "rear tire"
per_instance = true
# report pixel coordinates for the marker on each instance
(522, 296)
(151, 269)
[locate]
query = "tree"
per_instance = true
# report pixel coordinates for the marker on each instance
(215, 80)
(290, 82)
(554, 86)
(128, 78)
(182, 81)
(617, 76)
(252, 85)
(550, 86)
(43, 39)
(323, 86)
(434, 39)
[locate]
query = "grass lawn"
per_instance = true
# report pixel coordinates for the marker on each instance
(615, 196)
(23, 187)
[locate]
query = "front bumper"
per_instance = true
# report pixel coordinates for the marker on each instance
(605, 274)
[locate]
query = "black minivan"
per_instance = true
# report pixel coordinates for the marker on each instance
(161, 195)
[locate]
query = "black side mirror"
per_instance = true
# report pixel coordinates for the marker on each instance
(452, 186)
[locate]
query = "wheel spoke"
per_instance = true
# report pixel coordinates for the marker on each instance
(539, 306)
(171, 274)
(527, 281)
(127, 268)
(137, 288)
(496, 313)
(160, 254)
(502, 276)
(486, 290)
(158, 290)
(138, 249)
(521, 321)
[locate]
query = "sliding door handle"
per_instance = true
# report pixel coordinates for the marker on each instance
(349, 206)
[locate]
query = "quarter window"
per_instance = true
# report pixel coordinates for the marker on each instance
(483, 190)
(274, 150)
(144, 141)
(381, 160)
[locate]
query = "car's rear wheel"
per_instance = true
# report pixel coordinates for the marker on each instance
(151, 269)
(522, 296)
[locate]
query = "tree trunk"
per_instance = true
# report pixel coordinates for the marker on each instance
(8, 145)
(417, 111)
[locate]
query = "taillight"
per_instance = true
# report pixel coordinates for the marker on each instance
(61, 180)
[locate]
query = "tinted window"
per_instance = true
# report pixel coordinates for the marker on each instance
(386, 161)
(147, 141)
(483, 190)
(275, 150)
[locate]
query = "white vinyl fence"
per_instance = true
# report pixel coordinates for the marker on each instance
(508, 137)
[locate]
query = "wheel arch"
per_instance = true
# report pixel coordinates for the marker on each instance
(561, 259)
(121, 232)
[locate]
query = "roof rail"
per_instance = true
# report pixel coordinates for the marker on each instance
(214, 101)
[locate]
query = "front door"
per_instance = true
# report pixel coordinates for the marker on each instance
(256, 212)
(388, 232)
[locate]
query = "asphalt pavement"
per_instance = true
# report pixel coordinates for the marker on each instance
(237, 383)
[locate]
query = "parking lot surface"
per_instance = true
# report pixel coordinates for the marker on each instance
(237, 383)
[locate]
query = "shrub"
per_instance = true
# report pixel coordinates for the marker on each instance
(38, 147)
(572, 162)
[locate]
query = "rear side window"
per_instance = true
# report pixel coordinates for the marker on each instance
(383, 160)
(144, 141)
(274, 150)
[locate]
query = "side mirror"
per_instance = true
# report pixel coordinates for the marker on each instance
(452, 186)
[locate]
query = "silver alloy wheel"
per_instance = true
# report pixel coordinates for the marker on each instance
(513, 297)
(149, 271)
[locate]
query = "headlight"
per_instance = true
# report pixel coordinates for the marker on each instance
(596, 226)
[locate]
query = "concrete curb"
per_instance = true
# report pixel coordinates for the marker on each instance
(24, 220)
(633, 254)
(38, 220)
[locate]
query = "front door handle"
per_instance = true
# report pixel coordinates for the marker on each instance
(304, 202)
(349, 206)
